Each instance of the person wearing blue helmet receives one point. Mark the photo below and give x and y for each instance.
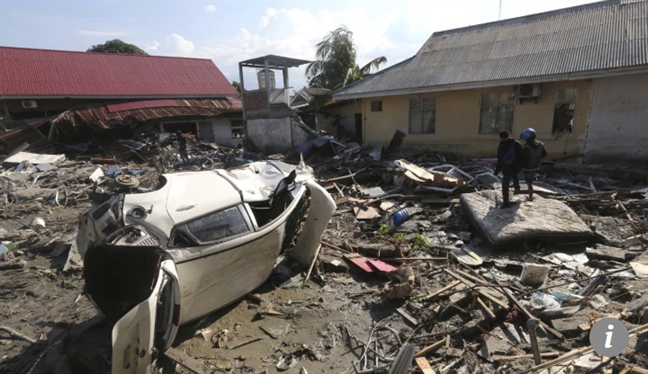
(509, 161)
(533, 152)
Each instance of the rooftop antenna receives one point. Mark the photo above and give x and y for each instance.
(499, 13)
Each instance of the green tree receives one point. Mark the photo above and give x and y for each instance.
(117, 46)
(237, 85)
(336, 66)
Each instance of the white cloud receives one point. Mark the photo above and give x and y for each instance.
(153, 46)
(210, 8)
(101, 33)
(172, 45)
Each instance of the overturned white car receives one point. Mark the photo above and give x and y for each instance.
(198, 242)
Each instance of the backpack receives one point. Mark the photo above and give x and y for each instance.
(509, 156)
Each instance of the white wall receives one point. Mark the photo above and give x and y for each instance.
(618, 120)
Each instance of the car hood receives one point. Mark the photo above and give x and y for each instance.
(186, 196)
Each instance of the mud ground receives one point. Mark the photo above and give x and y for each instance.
(321, 325)
(315, 324)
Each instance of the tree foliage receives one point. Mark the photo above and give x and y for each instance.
(237, 85)
(336, 66)
(117, 46)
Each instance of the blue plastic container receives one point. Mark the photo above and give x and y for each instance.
(398, 218)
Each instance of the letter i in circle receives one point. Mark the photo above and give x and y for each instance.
(608, 336)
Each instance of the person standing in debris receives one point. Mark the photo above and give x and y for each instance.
(182, 145)
(509, 162)
(533, 151)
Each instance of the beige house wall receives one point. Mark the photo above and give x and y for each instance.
(458, 116)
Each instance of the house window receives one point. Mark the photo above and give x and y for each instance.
(563, 118)
(422, 115)
(496, 113)
(217, 226)
(238, 131)
(376, 106)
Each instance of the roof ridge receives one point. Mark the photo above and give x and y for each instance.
(103, 53)
(533, 16)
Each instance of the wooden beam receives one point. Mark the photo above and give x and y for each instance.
(486, 309)
(481, 292)
(442, 290)
(431, 348)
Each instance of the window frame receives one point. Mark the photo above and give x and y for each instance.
(558, 102)
(184, 229)
(509, 103)
(240, 125)
(421, 111)
(379, 104)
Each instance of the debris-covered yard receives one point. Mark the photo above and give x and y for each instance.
(418, 270)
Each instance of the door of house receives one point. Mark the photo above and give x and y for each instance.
(358, 128)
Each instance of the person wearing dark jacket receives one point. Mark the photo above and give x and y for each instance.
(533, 152)
(509, 162)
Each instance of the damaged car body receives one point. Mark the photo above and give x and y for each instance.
(196, 243)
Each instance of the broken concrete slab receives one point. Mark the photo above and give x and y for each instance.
(570, 326)
(606, 253)
(542, 220)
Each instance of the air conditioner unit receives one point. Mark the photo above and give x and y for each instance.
(526, 91)
(29, 104)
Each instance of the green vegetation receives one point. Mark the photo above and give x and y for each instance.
(117, 46)
(420, 242)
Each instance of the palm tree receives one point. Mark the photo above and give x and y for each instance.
(336, 65)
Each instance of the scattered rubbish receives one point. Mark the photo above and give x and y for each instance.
(38, 223)
(408, 256)
(370, 265)
(544, 300)
(96, 175)
(286, 362)
(534, 275)
(466, 256)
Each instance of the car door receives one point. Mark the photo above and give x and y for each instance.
(149, 328)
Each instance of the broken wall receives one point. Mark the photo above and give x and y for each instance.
(618, 126)
(276, 135)
(343, 114)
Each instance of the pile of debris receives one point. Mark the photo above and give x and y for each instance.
(444, 279)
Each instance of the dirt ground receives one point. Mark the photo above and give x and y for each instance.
(321, 326)
(314, 323)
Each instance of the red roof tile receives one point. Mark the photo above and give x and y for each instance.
(37, 73)
(114, 115)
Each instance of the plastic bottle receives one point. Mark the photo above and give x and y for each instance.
(398, 218)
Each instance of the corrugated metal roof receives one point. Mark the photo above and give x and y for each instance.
(104, 118)
(605, 35)
(37, 72)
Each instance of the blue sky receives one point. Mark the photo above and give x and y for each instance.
(230, 31)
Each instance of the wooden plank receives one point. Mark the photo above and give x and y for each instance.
(486, 308)
(408, 317)
(342, 200)
(519, 357)
(185, 360)
(424, 365)
(442, 290)
(431, 348)
(480, 292)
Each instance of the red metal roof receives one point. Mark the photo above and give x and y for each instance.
(40, 73)
(114, 115)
